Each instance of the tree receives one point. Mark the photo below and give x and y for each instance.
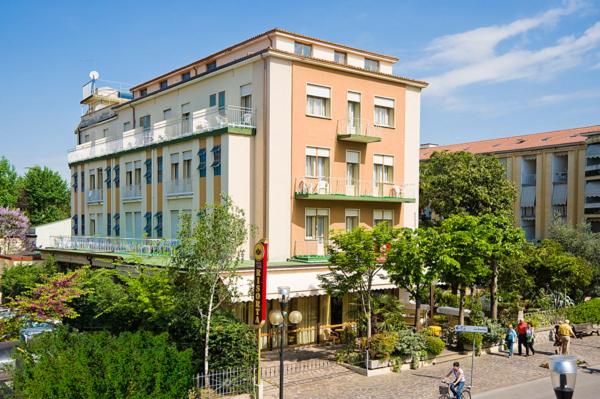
(505, 241)
(462, 183)
(465, 249)
(9, 182)
(209, 253)
(412, 263)
(44, 196)
(354, 265)
(13, 230)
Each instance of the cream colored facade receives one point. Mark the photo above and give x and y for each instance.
(306, 136)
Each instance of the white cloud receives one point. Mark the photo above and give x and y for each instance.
(567, 96)
(473, 56)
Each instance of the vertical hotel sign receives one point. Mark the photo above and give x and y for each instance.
(260, 281)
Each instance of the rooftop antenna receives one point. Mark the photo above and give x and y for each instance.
(94, 75)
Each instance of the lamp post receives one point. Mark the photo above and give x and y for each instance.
(280, 319)
(563, 372)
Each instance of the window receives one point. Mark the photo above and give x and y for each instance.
(159, 225)
(92, 180)
(212, 100)
(167, 114)
(222, 102)
(143, 92)
(380, 216)
(384, 112)
(353, 113)
(164, 84)
(145, 122)
(211, 66)
(302, 49)
(246, 96)
(186, 76)
(138, 173)
(216, 165)
(108, 224)
(352, 217)
(352, 172)
(174, 167)
(83, 182)
(126, 126)
(186, 122)
(202, 164)
(371, 65)
(318, 100)
(383, 169)
(86, 138)
(339, 57)
(316, 223)
(187, 164)
(159, 169)
(128, 174)
(82, 225)
(317, 162)
(105, 132)
(99, 178)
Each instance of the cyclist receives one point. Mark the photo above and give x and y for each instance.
(458, 384)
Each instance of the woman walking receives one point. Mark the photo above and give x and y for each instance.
(511, 336)
(529, 338)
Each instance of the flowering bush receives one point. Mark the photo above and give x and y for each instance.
(13, 231)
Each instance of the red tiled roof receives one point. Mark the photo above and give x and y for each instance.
(518, 143)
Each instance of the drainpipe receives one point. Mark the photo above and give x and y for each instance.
(266, 144)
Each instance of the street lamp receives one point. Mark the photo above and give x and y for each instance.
(563, 370)
(278, 319)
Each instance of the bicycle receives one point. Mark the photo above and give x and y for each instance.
(445, 392)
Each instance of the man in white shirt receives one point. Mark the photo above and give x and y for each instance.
(458, 383)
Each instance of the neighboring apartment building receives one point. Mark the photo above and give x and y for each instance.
(306, 136)
(557, 174)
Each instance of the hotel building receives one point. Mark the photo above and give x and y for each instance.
(306, 136)
(557, 174)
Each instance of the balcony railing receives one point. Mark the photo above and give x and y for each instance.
(95, 195)
(528, 179)
(527, 212)
(311, 250)
(356, 129)
(202, 121)
(147, 246)
(132, 191)
(343, 188)
(179, 186)
(560, 177)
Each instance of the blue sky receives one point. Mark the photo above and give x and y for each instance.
(496, 68)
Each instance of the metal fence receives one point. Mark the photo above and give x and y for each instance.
(297, 367)
(223, 383)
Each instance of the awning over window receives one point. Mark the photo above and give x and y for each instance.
(593, 151)
(527, 196)
(592, 189)
(559, 194)
(304, 282)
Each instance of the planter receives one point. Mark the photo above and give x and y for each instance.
(367, 372)
(378, 363)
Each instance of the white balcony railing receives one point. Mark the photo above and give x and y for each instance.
(149, 246)
(179, 186)
(354, 126)
(592, 167)
(318, 247)
(133, 191)
(202, 121)
(95, 195)
(353, 188)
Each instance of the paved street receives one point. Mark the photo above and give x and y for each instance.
(491, 372)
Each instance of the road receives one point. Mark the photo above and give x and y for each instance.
(586, 387)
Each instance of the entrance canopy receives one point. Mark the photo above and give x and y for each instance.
(450, 311)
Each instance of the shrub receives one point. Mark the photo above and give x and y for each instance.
(585, 312)
(382, 345)
(19, 279)
(232, 343)
(467, 339)
(496, 333)
(434, 345)
(410, 343)
(99, 365)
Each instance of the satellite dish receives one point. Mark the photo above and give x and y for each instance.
(94, 75)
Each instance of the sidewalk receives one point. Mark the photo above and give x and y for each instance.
(491, 372)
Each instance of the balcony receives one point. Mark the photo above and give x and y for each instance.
(342, 189)
(132, 192)
(95, 196)
(144, 246)
(355, 130)
(212, 120)
(311, 251)
(179, 187)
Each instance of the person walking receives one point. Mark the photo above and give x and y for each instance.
(522, 337)
(530, 337)
(557, 344)
(565, 332)
(511, 335)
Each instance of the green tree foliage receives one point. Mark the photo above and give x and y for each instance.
(354, 265)
(585, 312)
(388, 313)
(209, 252)
(19, 279)
(44, 196)
(9, 184)
(462, 183)
(412, 263)
(98, 365)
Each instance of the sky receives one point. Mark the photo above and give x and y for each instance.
(495, 68)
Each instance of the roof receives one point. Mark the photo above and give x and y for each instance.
(518, 143)
(253, 38)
